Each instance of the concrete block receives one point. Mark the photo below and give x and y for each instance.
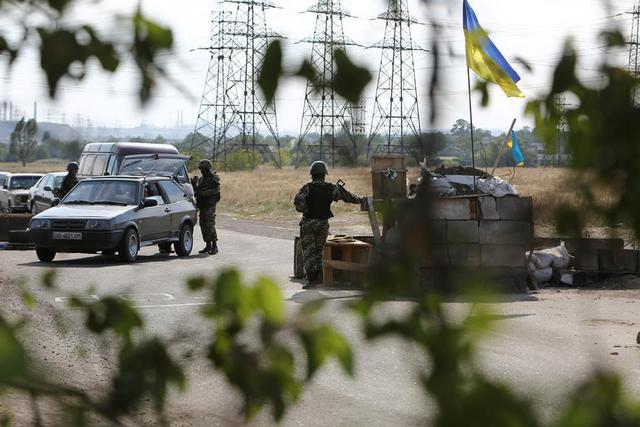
(488, 208)
(618, 261)
(445, 208)
(574, 245)
(438, 256)
(506, 233)
(463, 231)
(438, 231)
(503, 256)
(464, 255)
(515, 208)
(586, 260)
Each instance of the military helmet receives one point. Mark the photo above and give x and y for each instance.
(72, 166)
(318, 168)
(205, 164)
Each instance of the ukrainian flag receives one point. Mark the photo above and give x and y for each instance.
(484, 58)
(516, 152)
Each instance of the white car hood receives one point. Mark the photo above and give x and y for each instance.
(83, 211)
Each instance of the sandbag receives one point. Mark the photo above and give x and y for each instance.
(542, 275)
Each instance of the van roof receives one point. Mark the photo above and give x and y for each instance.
(129, 148)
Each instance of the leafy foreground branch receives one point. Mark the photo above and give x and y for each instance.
(261, 350)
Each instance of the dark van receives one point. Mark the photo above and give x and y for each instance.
(108, 158)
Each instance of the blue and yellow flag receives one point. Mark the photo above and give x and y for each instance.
(516, 152)
(484, 58)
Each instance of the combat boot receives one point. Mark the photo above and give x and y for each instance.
(214, 248)
(207, 249)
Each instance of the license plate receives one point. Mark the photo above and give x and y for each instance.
(66, 236)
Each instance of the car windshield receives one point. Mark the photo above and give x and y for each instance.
(23, 182)
(107, 192)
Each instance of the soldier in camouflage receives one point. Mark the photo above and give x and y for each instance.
(314, 201)
(70, 180)
(207, 192)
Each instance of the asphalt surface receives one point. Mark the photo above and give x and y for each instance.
(543, 344)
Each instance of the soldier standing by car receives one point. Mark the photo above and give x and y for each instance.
(70, 180)
(207, 192)
(314, 201)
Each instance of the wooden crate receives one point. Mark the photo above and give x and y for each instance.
(387, 188)
(394, 161)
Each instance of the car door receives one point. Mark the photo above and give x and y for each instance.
(154, 222)
(179, 204)
(40, 198)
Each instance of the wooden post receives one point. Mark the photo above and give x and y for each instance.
(375, 228)
(502, 147)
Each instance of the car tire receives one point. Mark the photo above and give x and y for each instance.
(129, 246)
(45, 254)
(184, 245)
(109, 252)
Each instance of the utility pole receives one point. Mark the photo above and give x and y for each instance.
(562, 127)
(395, 112)
(324, 113)
(634, 49)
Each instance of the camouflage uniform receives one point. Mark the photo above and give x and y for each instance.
(207, 194)
(314, 227)
(68, 183)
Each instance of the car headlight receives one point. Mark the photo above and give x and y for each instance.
(97, 224)
(40, 224)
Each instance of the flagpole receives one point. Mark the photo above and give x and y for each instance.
(473, 151)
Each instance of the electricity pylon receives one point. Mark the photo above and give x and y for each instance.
(395, 112)
(324, 112)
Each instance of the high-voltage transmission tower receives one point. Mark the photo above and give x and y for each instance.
(325, 113)
(562, 127)
(395, 112)
(232, 109)
(216, 113)
(634, 48)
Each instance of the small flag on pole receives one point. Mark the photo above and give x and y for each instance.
(516, 152)
(484, 58)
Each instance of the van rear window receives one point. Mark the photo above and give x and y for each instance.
(99, 165)
(87, 164)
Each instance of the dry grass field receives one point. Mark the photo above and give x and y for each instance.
(267, 193)
(41, 166)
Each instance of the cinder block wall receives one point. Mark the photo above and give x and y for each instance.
(483, 233)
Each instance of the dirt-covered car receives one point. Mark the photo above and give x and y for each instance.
(14, 191)
(116, 214)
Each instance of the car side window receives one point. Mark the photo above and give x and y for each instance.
(87, 164)
(111, 165)
(173, 191)
(152, 191)
(47, 181)
(183, 176)
(99, 165)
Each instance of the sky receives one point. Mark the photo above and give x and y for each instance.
(533, 30)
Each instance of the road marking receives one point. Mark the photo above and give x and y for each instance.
(189, 304)
(147, 297)
(90, 298)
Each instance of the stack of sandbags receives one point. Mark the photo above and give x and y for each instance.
(543, 263)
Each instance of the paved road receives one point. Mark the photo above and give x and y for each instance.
(542, 344)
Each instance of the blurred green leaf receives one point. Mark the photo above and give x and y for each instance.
(197, 283)
(271, 71)
(564, 75)
(13, 357)
(110, 313)
(350, 80)
(269, 299)
(613, 39)
(49, 279)
(5, 48)
(482, 88)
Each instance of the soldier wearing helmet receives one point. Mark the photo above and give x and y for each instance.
(207, 192)
(70, 180)
(314, 201)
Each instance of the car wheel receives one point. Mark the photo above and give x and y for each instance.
(108, 252)
(128, 248)
(185, 243)
(45, 254)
